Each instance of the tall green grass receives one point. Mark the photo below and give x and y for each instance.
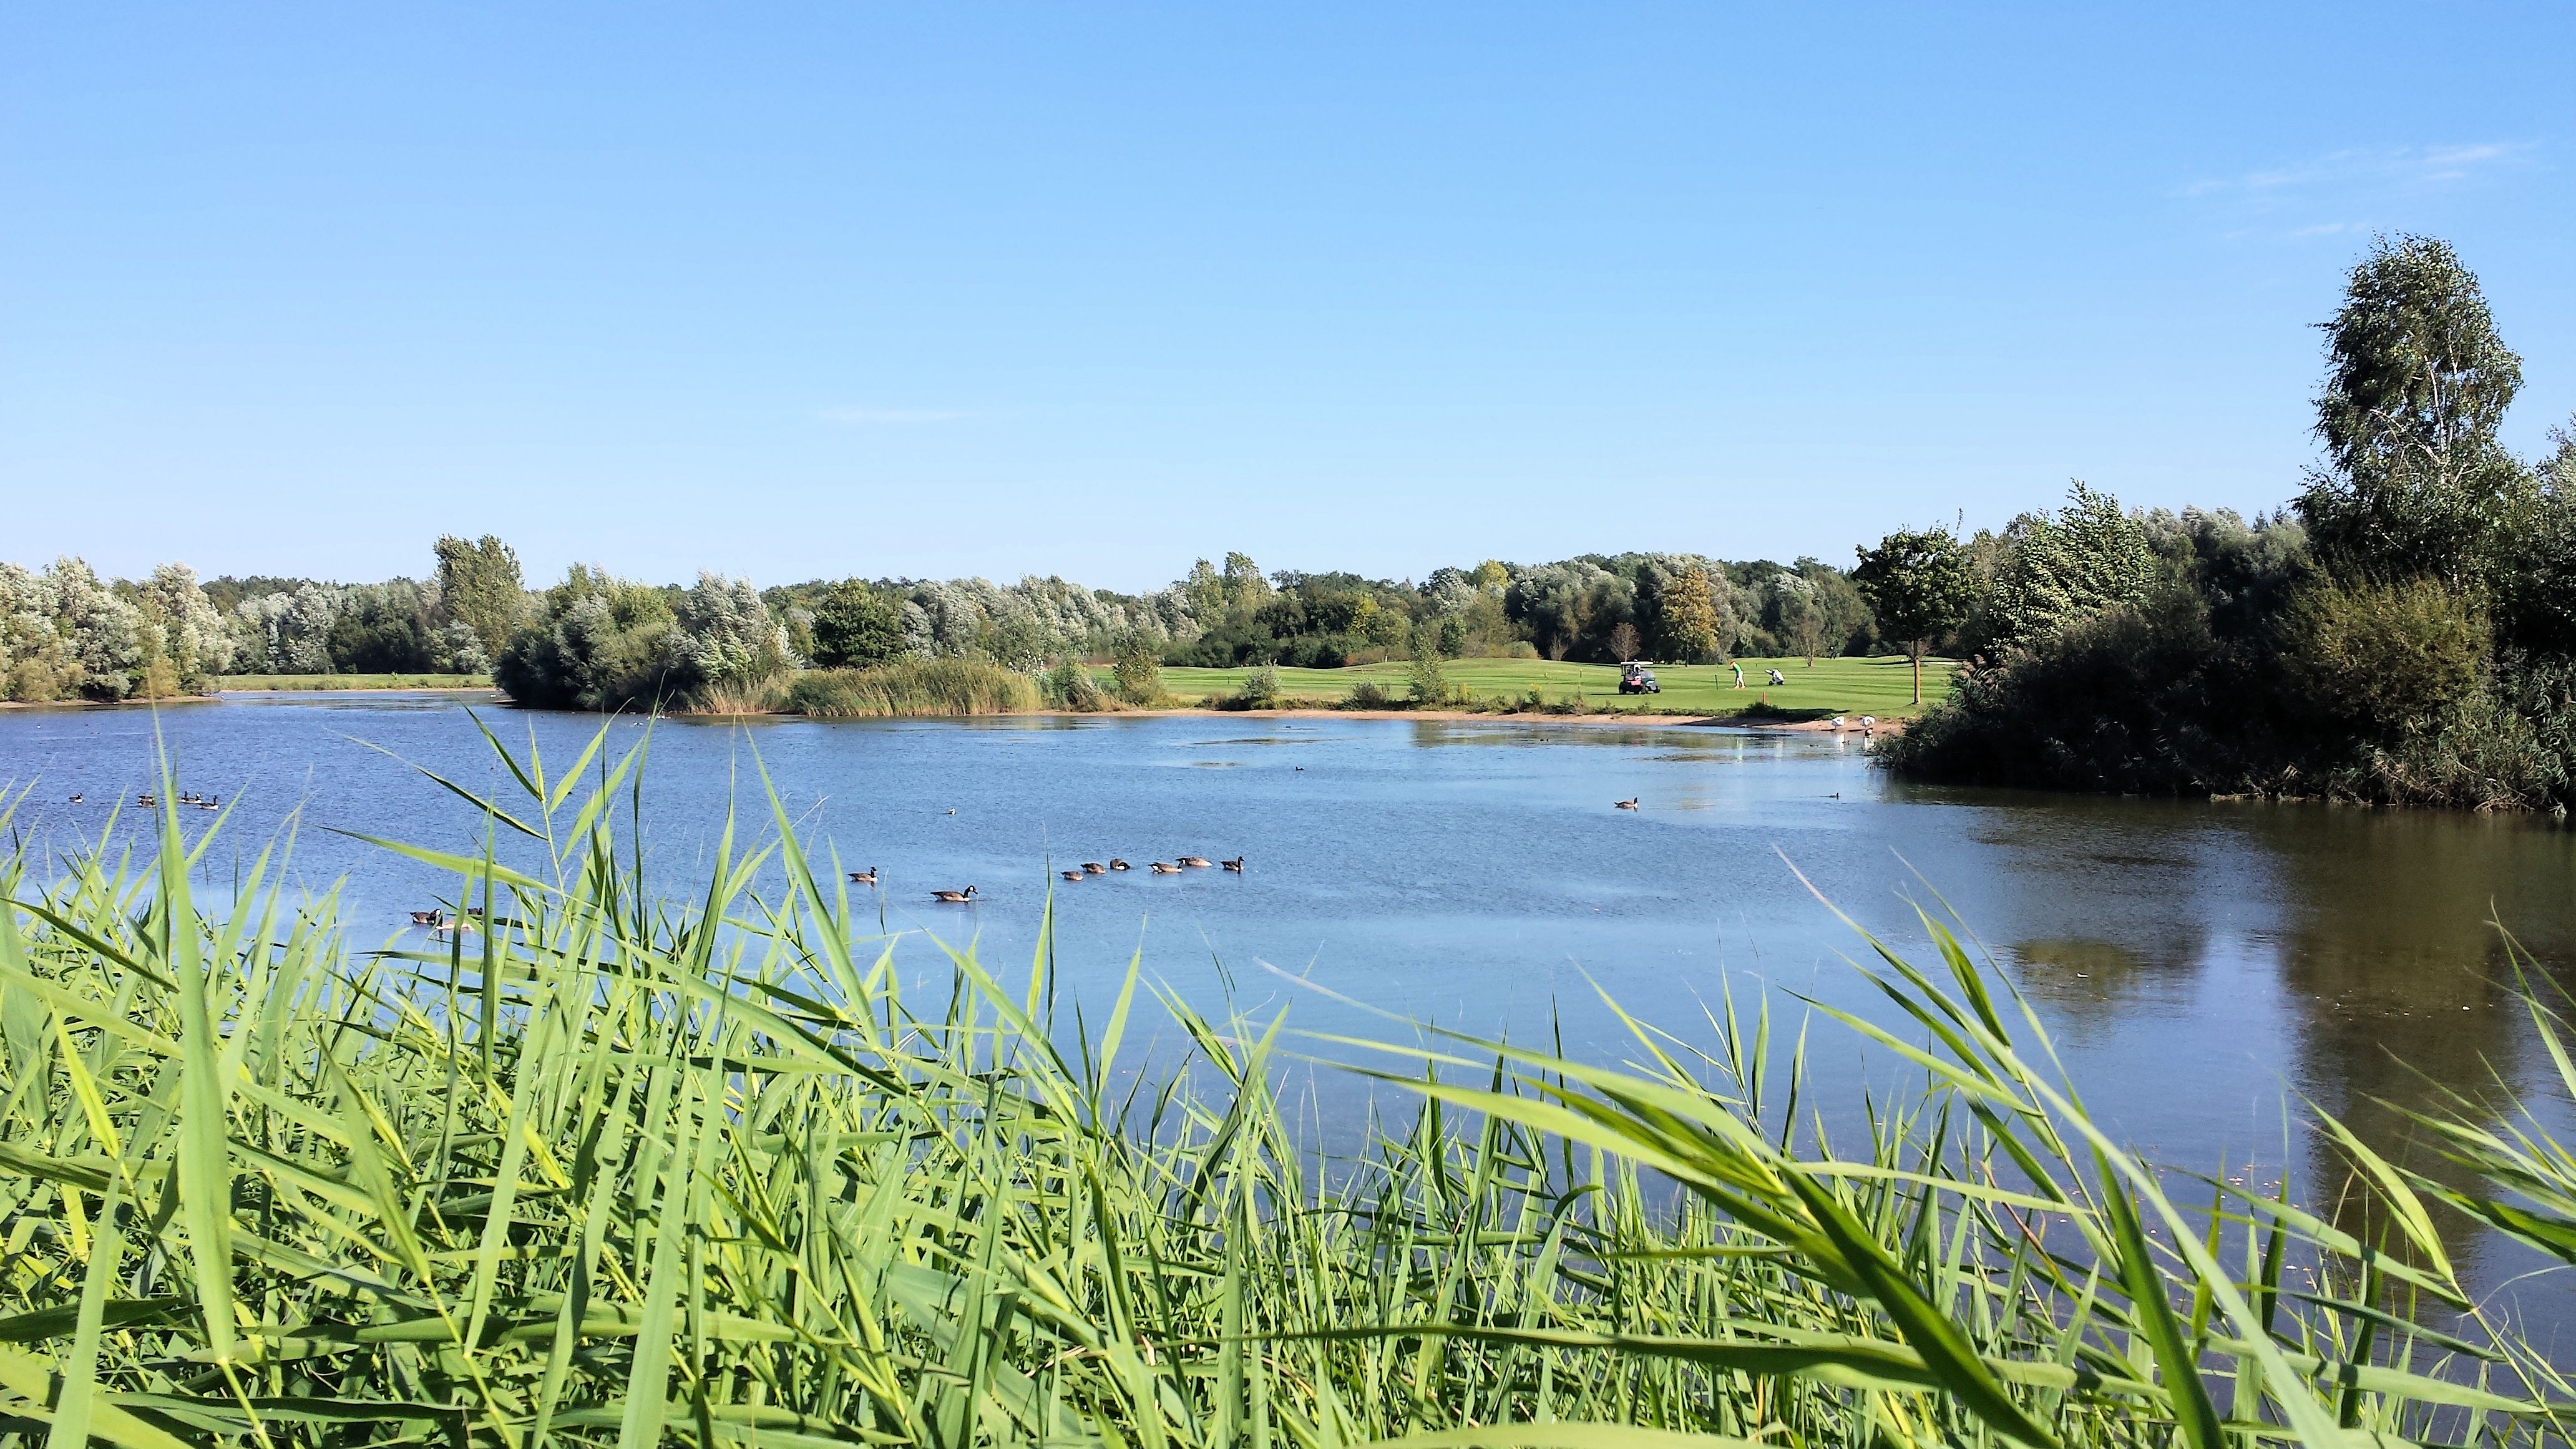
(610, 1169)
(913, 687)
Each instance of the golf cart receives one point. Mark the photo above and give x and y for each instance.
(1636, 678)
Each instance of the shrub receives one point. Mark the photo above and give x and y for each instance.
(1519, 649)
(1369, 694)
(601, 644)
(1260, 689)
(912, 687)
(1140, 672)
(1070, 686)
(2385, 660)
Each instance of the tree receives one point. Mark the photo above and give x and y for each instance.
(723, 633)
(1685, 618)
(1790, 611)
(1430, 684)
(2089, 558)
(479, 584)
(1140, 669)
(1920, 586)
(2417, 382)
(855, 626)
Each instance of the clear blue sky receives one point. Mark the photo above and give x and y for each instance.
(909, 289)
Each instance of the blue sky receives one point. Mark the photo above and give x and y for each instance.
(792, 291)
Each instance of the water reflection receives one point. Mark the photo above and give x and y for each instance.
(2198, 964)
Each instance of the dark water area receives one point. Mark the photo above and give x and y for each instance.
(2202, 966)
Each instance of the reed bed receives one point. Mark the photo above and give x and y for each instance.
(610, 1170)
(912, 687)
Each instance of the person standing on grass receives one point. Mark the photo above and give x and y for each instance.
(1738, 667)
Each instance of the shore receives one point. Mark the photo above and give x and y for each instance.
(1658, 721)
(1629, 718)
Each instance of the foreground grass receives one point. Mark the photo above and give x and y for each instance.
(605, 1170)
(1881, 687)
(331, 682)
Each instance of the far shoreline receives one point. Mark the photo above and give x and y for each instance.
(1630, 718)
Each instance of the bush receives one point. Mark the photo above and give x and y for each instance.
(601, 644)
(912, 687)
(1070, 686)
(1426, 681)
(2385, 660)
(1369, 694)
(1260, 689)
(1140, 673)
(1519, 649)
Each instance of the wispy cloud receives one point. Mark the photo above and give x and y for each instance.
(2368, 168)
(885, 417)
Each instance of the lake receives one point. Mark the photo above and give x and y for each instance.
(2199, 964)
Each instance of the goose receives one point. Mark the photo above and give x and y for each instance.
(1235, 865)
(146, 801)
(866, 877)
(76, 799)
(1630, 803)
(1093, 867)
(1116, 864)
(955, 898)
(1070, 874)
(1196, 861)
(427, 918)
(1158, 868)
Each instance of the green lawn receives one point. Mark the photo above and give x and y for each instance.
(352, 681)
(1880, 686)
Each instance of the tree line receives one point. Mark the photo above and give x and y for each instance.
(2402, 631)
(593, 640)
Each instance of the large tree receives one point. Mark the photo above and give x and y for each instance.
(2417, 382)
(479, 586)
(856, 625)
(1920, 586)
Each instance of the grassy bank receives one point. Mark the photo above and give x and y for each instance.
(911, 687)
(1881, 687)
(329, 682)
(606, 1170)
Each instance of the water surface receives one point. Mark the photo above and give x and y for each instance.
(2200, 965)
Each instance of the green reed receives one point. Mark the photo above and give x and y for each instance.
(605, 1169)
(913, 687)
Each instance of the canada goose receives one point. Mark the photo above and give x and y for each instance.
(426, 918)
(1070, 874)
(1093, 867)
(952, 809)
(146, 801)
(1198, 861)
(955, 898)
(1116, 864)
(1630, 803)
(76, 799)
(208, 803)
(1158, 868)
(864, 877)
(1235, 865)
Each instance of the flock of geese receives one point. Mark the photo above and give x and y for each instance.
(1175, 866)
(150, 801)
